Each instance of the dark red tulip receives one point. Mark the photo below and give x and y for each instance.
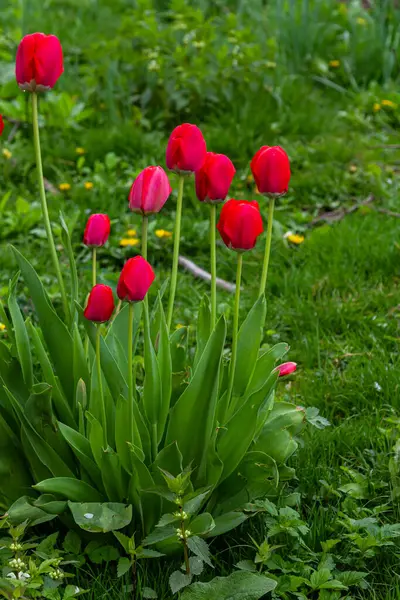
(240, 224)
(100, 304)
(97, 230)
(39, 62)
(1, 125)
(214, 178)
(186, 150)
(286, 368)
(149, 191)
(271, 171)
(135, 280)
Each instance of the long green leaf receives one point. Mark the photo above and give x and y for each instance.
(203, 330)
(165, 368)
(82, 450)
(66, 240)
(70, 488)
(21, 335)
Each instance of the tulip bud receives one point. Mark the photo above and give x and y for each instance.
(214, 178)
(271, 171)
(240, 224)
(100, 304)
(1, 125)
(286, 368)
(39, 62)
(186, 150)
(149, 191)
(97, 231)
(135, 280)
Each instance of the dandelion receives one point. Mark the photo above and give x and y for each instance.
(389, 104)
(88, 185)
(376, 107)
(2, 327)
(334, 64)
(131, 233)
(162, 233)
(7, 154)
(64, 187)
(129, 242)
(294, 238)
(361, 21)
(80, 150)
(179, 326)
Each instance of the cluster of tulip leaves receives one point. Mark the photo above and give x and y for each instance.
(52, 455)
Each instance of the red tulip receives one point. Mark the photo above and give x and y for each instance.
(214, 178)
(286, 368)
(135, 279)
(39, 62)
(240, 224)
(186, 150)
(100, 305)
(271, 170)
(149, 191)
(1, 125)
(97, 231)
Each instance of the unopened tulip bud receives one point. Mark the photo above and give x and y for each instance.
(39, 62)
(271, 171)
(286, 368)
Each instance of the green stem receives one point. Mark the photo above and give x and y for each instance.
(42, 194)
(100, 381)
(235, 327)
(264, 275)
(177, 235)
(130, 369)
(213, 220)
(145, 226)
(94, 266)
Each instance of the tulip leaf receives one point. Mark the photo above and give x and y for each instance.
(152, 398)
(265, 365)
(101, 518)
(192, 417)
(227, 522)
(112, 475)
(81, 369)
(24, 509)
(165, 368)
(70, 488)
(148, 505)
(203, 330)
(21, 335)
(82, 450)
(66, 240)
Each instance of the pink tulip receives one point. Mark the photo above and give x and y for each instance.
(286, 368)
(186, 150)
(149, 191)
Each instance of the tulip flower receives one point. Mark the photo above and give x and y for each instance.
(1, 125)
(100, 304)
(214, 178)
(135, 280)
(271, 171)
(186, 150)
(286, 368)
(240, 224)
(149, 191)
(97, 231)
(39, 62)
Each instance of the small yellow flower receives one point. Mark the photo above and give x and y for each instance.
(88, 185)
(2, 327)
(7, 154)
(334, 64)
(249, 179)
(376, 107)
(129, 242)
(131, 233)
(179, 326)
(161, 233)
(389, 104)
(294, 238)
(80, 150)
(64, 187)
(353, 168)
(361, 21)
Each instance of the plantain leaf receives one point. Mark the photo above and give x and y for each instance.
(101, 518)
(21, 334)
(69, 488)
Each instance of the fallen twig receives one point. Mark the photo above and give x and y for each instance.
(337, 215)
(197, 271)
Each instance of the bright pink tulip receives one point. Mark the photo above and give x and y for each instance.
(286, 368)
(240, 224)
(149, 191)
(39, 62)
(214, 178)
(135, 279)
(271, 170)
(100, 304)
(186, 150)
(97, 230)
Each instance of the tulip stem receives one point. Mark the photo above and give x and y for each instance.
(100, 382)
(213, 221)
(264, 275)
(235, 327)
(145, 225)
(130, 369)
(42, 194)
(94, 267)
(177, 235)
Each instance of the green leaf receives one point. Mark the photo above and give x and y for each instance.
(69, 488)
(149, 594)
(178, 581)
(124, 540)
(349, 578)
(238, 586)
(160, 534)
(72, 543)
(200, 548)
(101, 518)
(147, 553)
(165, 369)
(124, 564)
(24, 510)
(246, 565)
(50, 505)
(192, 417)
(227, 522)
(202, 524)
(320, 577)
(264, 366)
(152, 395)
(66, 240)
(82, 450)
(196, 565)
(203, 330)
(193, 502)
(21, 334)
(99, 552)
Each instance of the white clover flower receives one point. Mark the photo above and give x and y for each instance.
(153, 66)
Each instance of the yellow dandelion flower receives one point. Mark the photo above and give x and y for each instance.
(249, 178)
(162, 233)
(376, 107)
(129, 242)
(334, 64)
(353, 168)
(179, 326)
(295, 238)
(389, 104)
(2, 327)
(64, 187)
(80, 150)
(7, 154)
(88, 185)
(131, 233)
(361, 21)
